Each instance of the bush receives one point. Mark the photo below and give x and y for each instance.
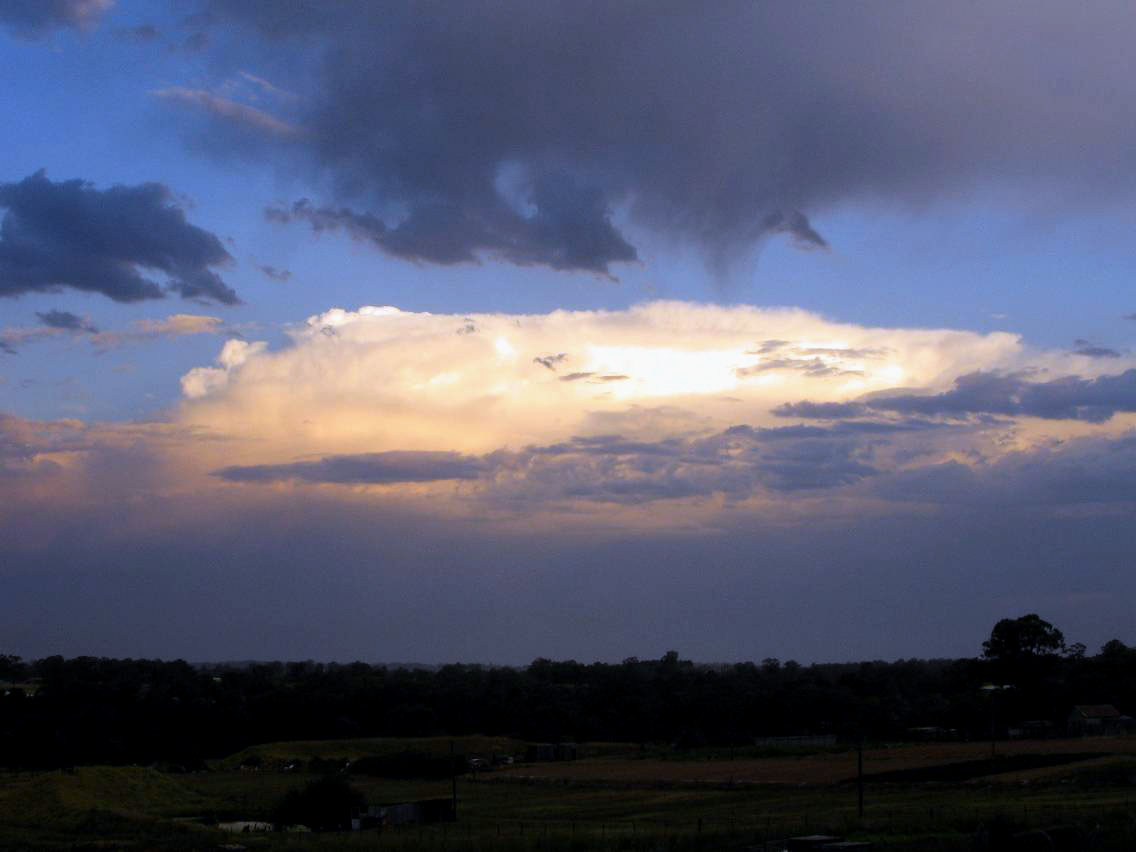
(326, 804)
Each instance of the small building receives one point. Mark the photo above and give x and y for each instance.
(1095, 720)
(422, 812)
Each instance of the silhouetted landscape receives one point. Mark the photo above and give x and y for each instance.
(334, 746)
(60, 712)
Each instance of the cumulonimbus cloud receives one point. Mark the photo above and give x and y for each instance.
(387, 376)
(70, 234)
(664, 401)
(669, 406)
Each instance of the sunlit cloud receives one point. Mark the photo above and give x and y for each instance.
(229, 110)
(663, 401)
(539, 415)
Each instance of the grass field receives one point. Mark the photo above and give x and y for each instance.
(620, 800)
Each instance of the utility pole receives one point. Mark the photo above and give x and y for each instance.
(454, 779)
(860, 774)
(992, 690)
(993, 725)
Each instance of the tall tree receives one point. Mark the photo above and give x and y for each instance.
(1025, 638)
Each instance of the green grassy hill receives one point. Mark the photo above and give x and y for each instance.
(107, 803)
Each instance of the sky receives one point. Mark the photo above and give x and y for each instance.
(483, 332)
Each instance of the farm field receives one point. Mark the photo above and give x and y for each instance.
(616, 801)
(825, 767)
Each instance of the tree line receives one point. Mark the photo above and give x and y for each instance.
(60, 712)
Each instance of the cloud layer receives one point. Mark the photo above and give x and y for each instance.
(519, 130)
(663, 402)
(1066, 398)
(70, 234)
(56, 323)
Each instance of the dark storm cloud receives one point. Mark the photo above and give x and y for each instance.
(275, 274)
(796, 225)
(515, 128)
(550, 361)
(1098, 352)
(1068, 398)
(65, 320)
(846, 428)
(69, 234)
(982, 394)
(1080, 471)
(571, 231)
(373, 468)
(810, 367)
(736, 462)
(54, 323)
(37, 18)
(767, 346)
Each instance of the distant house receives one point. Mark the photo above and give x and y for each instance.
(1096, 720)
(422, 812)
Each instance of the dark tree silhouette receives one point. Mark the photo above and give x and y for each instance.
(1018, 639)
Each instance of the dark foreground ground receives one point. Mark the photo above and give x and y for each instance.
(1055, 794)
